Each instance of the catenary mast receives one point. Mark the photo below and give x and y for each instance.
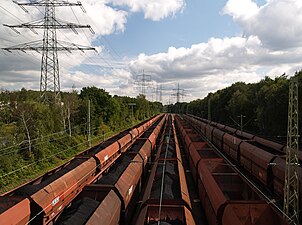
(291, 189)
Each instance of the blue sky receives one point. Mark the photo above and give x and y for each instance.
(203, 45)
(199, 21)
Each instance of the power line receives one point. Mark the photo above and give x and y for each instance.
(42, 142)
(36, 161)
(40, 160)
(143, 81)
(70, 148)
(10, 13)
(106, 40)
(83, 66)
(49, 80)
(179, 93)
(88, 58)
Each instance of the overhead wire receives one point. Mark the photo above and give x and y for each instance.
(67, 190)
(40, 160)
(98, 136)
(110, 46)
(110, 66)
(118, 55)
(43, 159)
(39, 143)
(87, 57)
(84, 67)
(49, 135)
(12, 15)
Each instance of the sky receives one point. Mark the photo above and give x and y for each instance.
(200, 45)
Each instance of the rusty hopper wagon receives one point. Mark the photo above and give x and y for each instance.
(226, 198)
(42, 200)
(166, 198)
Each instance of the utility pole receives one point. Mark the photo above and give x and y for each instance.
(209, 109)
(291, 186)
(132, 104)
(49, 45)
(241, 122)
(89, 125)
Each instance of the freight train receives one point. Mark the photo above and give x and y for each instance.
(41, 200)
(268, 145)
(165, 198)
(111, 198)
(266, 165)
(226, 198)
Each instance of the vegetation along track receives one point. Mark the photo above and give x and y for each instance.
(138, 177)
(42, 200)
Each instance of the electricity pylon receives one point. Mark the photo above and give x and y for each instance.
(291, 186)
(143, 82)
(158, 92)
(179, 93)
(49, 46)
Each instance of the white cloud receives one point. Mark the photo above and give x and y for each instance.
(218, 63)
(277, 23)
(217, 55)
(241, 9)
(270, 46)
(19, 70)
(119, 82)
(154, 9)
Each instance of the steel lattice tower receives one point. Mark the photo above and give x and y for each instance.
(143, 82)
(178, 93)
(50, 79)
(291, 186)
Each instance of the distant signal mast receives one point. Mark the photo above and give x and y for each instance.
(49, 46)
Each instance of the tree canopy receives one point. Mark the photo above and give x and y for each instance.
(43, 135)
(263, 105)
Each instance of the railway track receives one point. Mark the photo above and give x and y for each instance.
(263, 159)
(268, 145)
(165, 198)
(111, 198)
(225, 194)
(43, 199)
(140, 176)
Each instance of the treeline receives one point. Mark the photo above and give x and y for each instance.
(263, 106)
(35, 136)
